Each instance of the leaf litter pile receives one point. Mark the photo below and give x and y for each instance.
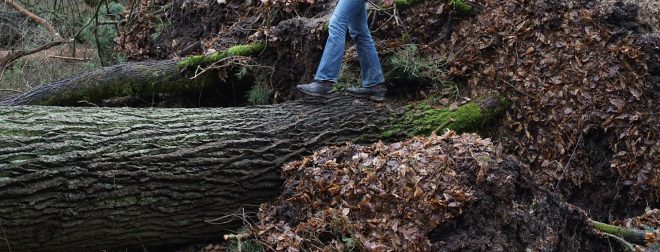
(440, 193)
(584, 78)
(398, 192)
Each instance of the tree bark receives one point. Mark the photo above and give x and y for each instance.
(142, 80)
(91, 179)
(103, 178)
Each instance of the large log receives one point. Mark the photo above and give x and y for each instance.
(86, 178)
(101, 178)
(140, 80)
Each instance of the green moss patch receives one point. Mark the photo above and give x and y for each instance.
(238, 50)
(423, 119)
(463, 7)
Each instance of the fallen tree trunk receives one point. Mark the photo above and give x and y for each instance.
(126, 80)
(140, 80)
(91, 179)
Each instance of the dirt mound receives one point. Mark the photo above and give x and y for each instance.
(168, 29)
(645, 13)
(584, 94)
(441, 193)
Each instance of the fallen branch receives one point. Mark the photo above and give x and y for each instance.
(18, 54)
(236, 236)
(626, 245)
(10, 90)
(18, 7)
(629, 234)
(68, 58)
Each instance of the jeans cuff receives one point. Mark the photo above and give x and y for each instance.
(367, 85)
(322, 79)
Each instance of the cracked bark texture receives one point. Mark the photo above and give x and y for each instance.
(79, 179)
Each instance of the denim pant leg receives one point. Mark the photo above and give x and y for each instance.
(333, 53)
(372, 73)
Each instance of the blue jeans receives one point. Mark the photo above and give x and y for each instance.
(351, 15)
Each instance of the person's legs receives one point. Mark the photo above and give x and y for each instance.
(344, 14)
(372, 73)
(351, 15)
(328, 70)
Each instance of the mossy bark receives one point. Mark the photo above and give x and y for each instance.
(422, 119)
(628, 234)
(106, 178)
(239, 50)
(141, 80)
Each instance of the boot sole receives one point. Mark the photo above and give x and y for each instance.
(370, 97)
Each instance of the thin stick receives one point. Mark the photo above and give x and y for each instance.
(565, 167)
(443, 125)
(88, 103)
(68, 58)
(626, 245)
(96, 31)
(5, 235)
(11, 90)
(88, 22)
(236, 236)
(144, 249)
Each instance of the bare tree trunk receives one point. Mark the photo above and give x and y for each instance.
(141, 80)
(90, 179)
